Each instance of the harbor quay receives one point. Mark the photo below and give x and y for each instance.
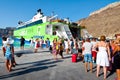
(42, 66)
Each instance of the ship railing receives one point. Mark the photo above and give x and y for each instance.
(49, 19)
(25, 23)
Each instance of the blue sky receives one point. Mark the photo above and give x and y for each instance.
(12, 11)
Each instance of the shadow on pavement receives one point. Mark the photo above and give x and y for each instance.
(36, 66)
(21, 52)
(67, 57)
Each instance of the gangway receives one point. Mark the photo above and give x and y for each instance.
(86, 34)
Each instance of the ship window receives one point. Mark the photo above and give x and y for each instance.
(30, 24)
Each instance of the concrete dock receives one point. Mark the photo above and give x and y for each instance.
(42, 66)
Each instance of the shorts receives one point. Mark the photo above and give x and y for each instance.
(94, 54)
(8, 56)
(88, 57)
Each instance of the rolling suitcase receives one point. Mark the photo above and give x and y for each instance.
(74, 58)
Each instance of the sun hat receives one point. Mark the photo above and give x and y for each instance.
(10, 41)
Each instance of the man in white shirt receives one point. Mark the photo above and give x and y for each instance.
(87, 48)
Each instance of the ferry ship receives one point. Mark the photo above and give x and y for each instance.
(44, 27)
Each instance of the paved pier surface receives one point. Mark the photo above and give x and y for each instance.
(42, 66)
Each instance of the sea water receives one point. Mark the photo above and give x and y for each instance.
(17, 43)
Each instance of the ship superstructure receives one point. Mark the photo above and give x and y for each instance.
(41, 26)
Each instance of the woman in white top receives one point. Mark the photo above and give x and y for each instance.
(103, 56)
(31, 42)
(66, 42)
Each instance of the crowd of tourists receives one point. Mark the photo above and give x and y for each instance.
(102, 52)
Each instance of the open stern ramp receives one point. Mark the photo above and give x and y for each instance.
(62, 30)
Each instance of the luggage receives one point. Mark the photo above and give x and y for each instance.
(74, 58)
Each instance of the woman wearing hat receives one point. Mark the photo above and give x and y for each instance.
(11, 41)
(8, 56)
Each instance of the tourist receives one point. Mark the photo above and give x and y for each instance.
(55, 48)
(112, 44)
(8, 55)
(61, 48)
(83, 41)
(110, 68)
(22, 43)
(71, 45)
(87, 48)
(103, 56)
(47, 43)
(116, 61)
(67, 46)
(10, 40)
(50, 48)
(37, 45)
(31, 42)
(41, 42)
(79, 48)
(94, 52)
(4, 44)
(75, 47)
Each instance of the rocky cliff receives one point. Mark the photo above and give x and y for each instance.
(105, 21)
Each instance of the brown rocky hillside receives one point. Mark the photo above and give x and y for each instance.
(105, 21)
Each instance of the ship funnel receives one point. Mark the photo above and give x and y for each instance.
(39, 10)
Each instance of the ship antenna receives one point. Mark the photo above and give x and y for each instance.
(52, 13)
